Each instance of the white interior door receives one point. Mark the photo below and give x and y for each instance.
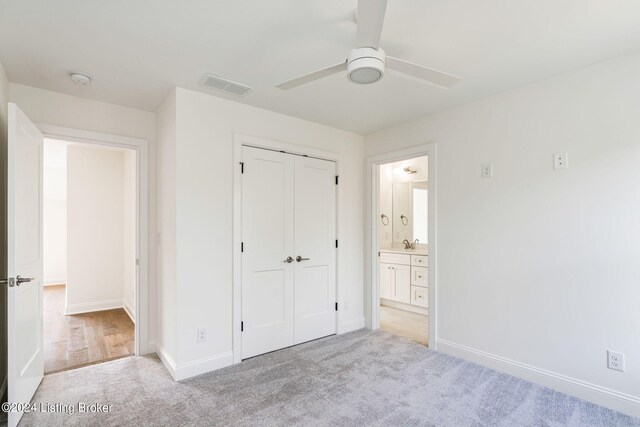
(25, 340)
(267, 240)
(315, 246)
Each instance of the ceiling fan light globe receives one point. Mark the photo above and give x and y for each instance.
(365, 76)
(365, 65)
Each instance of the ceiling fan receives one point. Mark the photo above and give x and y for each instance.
(367, 62)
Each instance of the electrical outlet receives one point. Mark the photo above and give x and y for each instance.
(202, 335)
(560, 161)
(486, 170)
(615, 360)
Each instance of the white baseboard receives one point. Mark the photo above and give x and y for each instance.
(129, 312)
(166, 360)
(183, 371)
(202, 366)
(345, 326)
(584, 390)
(93, 306)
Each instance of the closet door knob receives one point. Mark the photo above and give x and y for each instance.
(299, 258)
(289, 260)
(21, 280)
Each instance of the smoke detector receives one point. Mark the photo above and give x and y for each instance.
(80, 78)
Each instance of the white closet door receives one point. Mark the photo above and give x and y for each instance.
(267, 236)
(315, 245)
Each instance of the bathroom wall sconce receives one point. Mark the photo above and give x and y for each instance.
(384, 219)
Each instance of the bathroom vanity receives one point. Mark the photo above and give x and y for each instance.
(403, 279)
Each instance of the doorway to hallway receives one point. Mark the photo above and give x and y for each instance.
(89, 253)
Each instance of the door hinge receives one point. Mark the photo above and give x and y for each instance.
(241, 167)
(336, 243)
(378, 254)
(336, 306)
(241, 326)
(337, 179)
(241, 246)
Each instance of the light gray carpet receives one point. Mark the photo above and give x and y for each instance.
(356, 379)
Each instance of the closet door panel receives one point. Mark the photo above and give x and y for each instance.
(267, 236)
(315, 237)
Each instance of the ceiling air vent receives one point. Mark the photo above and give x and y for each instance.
(215, 82)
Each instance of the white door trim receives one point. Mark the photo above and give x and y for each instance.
(238, 141)
(372, 194)
(140, 146)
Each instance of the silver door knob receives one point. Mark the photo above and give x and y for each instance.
(299, 258)
(289, 260)
(20, 280)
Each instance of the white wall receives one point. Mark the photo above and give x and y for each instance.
(95, 214)
(43, 106)
(129, 188)
(166, 184)
(204, 214)
(538, 270)
(54, 194)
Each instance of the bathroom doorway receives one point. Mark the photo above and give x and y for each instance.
(403, 248)
(401, 243)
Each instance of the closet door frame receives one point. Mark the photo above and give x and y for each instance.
(240, 140)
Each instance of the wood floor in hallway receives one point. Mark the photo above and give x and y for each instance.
(410, 325)
(83, 339)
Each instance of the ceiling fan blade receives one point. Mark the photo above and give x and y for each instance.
(316, 75)
(418, 71)
(370, 20)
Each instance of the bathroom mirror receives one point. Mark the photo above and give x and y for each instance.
(409, 206)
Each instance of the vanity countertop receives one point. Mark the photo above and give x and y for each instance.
(417, 251)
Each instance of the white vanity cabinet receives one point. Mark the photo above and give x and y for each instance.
(387, 278)
(395, 282)
(404, 278)
(419, 276)
(419, 296)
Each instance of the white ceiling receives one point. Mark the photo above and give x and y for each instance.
(137, 51)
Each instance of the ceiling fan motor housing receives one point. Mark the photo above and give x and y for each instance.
(365, 65)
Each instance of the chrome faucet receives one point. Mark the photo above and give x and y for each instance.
(407, 244)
